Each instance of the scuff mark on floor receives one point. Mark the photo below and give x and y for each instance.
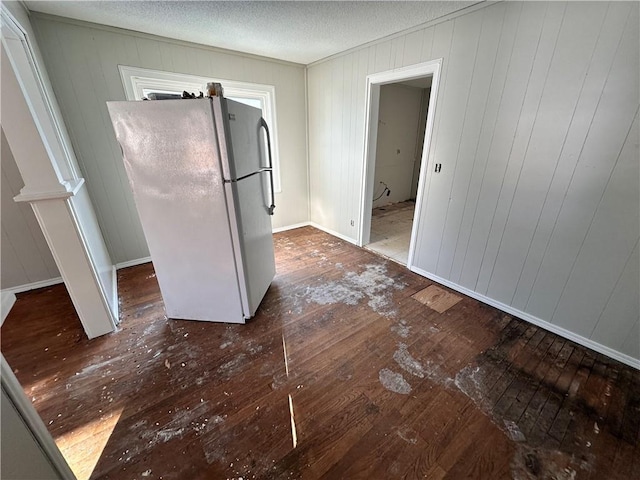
(408, 435)
(233, 366)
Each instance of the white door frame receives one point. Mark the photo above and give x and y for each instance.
(372, 107)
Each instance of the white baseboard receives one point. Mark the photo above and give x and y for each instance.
(335, 234)
(290, 227)
(8, 299)
(133, 263)
(32, 286)
(586, 342)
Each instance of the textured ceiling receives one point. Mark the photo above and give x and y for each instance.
(297, 31)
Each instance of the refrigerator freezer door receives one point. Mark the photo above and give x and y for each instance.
(244, 128)
(172, 159)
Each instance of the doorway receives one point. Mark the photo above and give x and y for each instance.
(399, 113)
(402, 117)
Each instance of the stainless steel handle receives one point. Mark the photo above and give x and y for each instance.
(272, 207)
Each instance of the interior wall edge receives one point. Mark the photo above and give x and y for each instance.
(574, 337)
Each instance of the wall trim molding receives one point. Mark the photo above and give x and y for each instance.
(291, 227)
(71, 187)
(334, 233)
(132, 263)
(585, 342)
(7, 300)
(33, 285)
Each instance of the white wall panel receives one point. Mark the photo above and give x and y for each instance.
(611, 237)
(592, 86)
(617, 106)
(513, 103)
(537, 203)
(555, 90)
(479, 150)
(476, 101)
(459, 59)
(82, 60)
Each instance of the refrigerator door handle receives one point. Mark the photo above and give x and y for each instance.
(269, 168)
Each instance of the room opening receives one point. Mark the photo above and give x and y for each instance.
(402, 117)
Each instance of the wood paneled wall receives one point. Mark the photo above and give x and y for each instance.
(537, 203)
(25, 255)
(82, 61)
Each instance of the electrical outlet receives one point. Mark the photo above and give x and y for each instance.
(353, 223)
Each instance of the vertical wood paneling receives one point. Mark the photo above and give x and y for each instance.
(631, 345)
(26, 257)
(511, 106)
(537, 205)
(440, 47)
(460, 58)
(623, 305)
(572, 145)
(412, 48)
(83, 60)
(427, 44)
(480, 156)
(535, 158)
(475, 109)
(611, 237)
(609, 127)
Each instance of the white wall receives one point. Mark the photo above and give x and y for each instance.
(82, 60)
(398, 120)
(25, 255)
(537, 204)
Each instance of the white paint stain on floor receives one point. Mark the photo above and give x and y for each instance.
(373, 284)
(404, 359)
(394, 382)
(402, 329)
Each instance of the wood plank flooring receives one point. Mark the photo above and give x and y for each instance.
(341, 374)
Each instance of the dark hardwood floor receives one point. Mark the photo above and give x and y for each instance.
(341, 375)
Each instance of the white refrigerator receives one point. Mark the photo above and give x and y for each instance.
(202, 181)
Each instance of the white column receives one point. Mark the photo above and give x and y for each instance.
(53, 187)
